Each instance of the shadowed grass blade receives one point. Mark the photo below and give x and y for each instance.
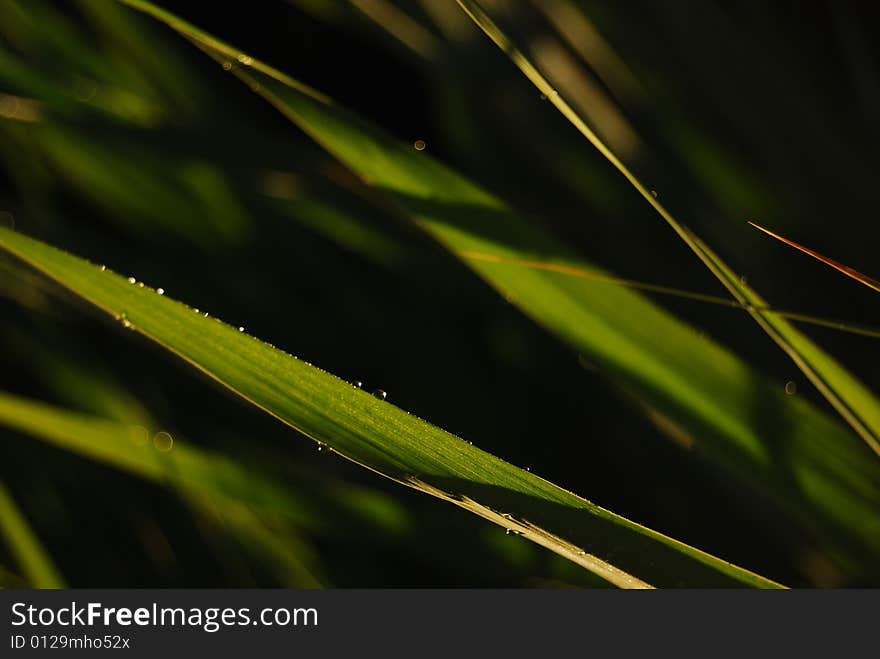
(387, 440)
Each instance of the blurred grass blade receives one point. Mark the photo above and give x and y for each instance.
(850, 398)
(33, 559)
(845, 269)
(387, 440)
(601, 277)
(822, 478)
(214, 485)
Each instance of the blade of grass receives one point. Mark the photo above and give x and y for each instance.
(387, 440)
(776, 444)
(33, 559)
(845, 269)
(853, 401)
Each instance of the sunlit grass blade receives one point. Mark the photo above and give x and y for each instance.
(850, 398)
(845, 269)
(823, 478)
(385, 439)
(33, 559)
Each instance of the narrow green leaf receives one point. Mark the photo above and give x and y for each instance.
(381, 437)
(33, 559)
(778, 445)
(850, 398)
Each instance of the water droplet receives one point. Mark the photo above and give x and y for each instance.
(141, 284)
(103, 268)
(506, 531)
(227, 66)
(419, 145)
(160, 291)
(132, 280)
(244, 59)
(381, 395)
(358, 384)
(241, 328)
(163, 441)
(543, 97)
(205, 314)
(320, 446)
(529, 469)
(654, 193)
(791, 388)
(196, 309)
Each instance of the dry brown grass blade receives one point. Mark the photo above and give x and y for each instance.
(845, 269)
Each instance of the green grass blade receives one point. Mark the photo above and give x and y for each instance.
(776, 444)
(385, 439)
(855, 403)
(32, 557)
